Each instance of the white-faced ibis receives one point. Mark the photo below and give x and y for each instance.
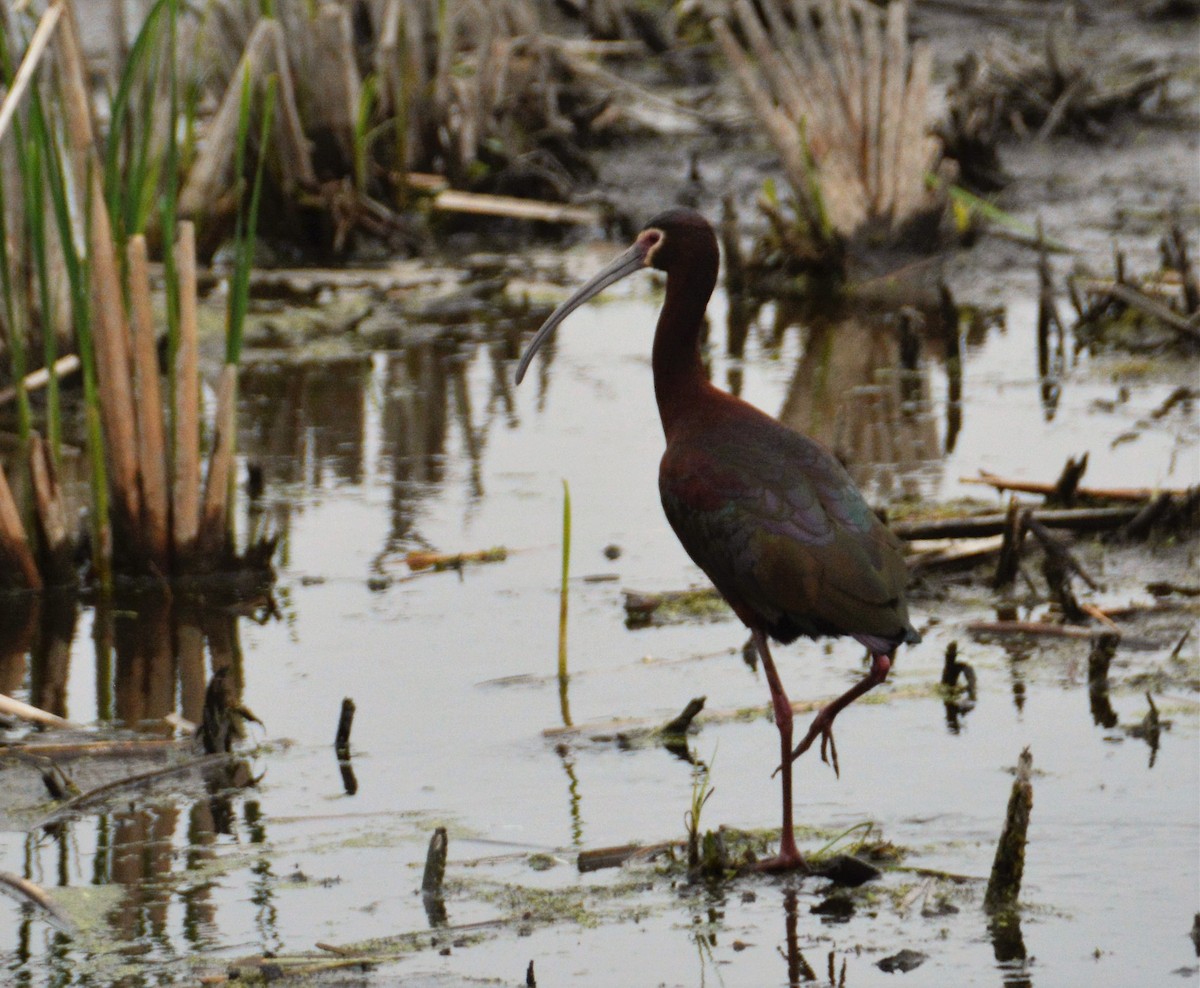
(770, 515)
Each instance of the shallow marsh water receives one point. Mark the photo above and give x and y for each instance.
(453, 677)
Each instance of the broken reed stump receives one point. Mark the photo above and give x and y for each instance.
(1067, 484)
(952, 668)
(218, 730)
(1004, 885)
(55, 538)
(678, 726)
(185, 486)
(156, 488)
(1010, 549)
(435, 863)
(433, 880)
(341, 746)
(14, 544)
(341, 743)
(1104, 647)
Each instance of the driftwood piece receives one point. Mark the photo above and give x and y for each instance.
(680, 724)
(978, 526)
(35, 715)
(439, 561)
(480, 204)
(433, 880)
(1043, 628)
(953, 553)
(133, 747)
(1175, 255)
(599, 858)
(102, 794)
(1068, 482)
(1138, 494)
(341, 743)
(1055, 548)
(1143, 303)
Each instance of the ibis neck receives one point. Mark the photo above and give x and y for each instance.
(679, 379)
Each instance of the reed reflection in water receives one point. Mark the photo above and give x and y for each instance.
(156, 842)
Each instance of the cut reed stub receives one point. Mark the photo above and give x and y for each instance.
(1004, 885)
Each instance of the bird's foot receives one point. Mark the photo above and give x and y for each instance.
(780, 863)
(822, 727)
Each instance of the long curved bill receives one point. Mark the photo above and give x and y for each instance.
(633, 259)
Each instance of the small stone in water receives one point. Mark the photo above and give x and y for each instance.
(904, 961)
(612, 551)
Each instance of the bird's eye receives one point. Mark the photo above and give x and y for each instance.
(650, 240)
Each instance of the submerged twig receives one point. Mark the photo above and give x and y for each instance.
(439, 561)
(98, 796)
(26, 891)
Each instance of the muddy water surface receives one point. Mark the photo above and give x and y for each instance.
(459, 711)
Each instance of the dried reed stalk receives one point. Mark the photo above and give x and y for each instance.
(842, 95)
(51, 511)
(295, 150)
(186, 487)
(214, 518)
(39, 378)
(110, 329)
(265, 51)
(152, 447)
(109, 325)
(478, 203)
(29, 63)
(335, 102)
(13, 542)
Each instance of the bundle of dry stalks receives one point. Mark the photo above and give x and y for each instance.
(154, 516)
(842, 95)
(374, 94)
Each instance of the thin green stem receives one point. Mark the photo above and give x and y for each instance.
(563, 678)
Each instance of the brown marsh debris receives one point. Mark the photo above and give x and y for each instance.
(1156, 311)
(389, 104)
(1008, 91)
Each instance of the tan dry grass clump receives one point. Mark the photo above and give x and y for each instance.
(842, 94)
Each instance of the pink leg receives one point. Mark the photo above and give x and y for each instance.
(822, 725)
(789, 855)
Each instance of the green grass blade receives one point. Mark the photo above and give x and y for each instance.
(246, 230)
(563, 678)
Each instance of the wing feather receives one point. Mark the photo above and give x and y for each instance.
(785, 536)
